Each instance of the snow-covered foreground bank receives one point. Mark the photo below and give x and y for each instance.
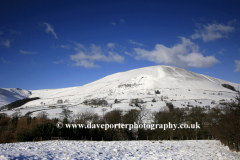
(117, 150)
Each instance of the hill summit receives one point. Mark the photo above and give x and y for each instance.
(142, 80)
(161, 83)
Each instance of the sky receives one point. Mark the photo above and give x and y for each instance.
(52, 44)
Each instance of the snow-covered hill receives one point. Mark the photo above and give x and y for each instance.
(137, 83)
(8, 95)
(174, 84)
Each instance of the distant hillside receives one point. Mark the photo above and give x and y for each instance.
(137, 81)
(18, 103)
(8, 95)
(173, 84)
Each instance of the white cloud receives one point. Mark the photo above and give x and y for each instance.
(26, 52)
(122, 20)
(198, 60)
(58, 62)
(113, 23)
(221, 51)
(3, 60)
(88, 57)
(50, 29)
(184, 54)
(237, 66)
(65, 46)
(127, 53)
(62, 46)
(6, 43)
(133, 42)
(111, 45)
(79, 46)
(211, 32)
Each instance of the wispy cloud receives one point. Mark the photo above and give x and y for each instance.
(211, 32)
(79, 46)
(122, 20)
(3, 60)
(88, 56)
(58, 62)
(184, 54)
(26, 52)
(221, 51)
(62, 46)
(49, 29)
(6, 43)
(111, 45)
(113, 23)
(133, 42)
(237, 66)
(15, 32)
(129, 54)
(65, 46)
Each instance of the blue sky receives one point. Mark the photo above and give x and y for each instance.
(57, 44)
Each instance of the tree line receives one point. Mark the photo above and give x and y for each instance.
(222, 124)
(19, 103)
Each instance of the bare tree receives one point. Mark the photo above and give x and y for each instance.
(43, 115)
(66, 113)
(104, 110)
(131, 116)
(17, 114)
(84, 117)
(143, 113)
(113, 117)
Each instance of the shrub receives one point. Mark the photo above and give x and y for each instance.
(227, 130)
(97, 102)
(136, 101)
(170, 106)
(157, 92)
(228, 86)
(116, 101)
(19, 103)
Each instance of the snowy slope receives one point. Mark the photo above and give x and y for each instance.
(8, 95)
(188, 150)
(175, 84)
(139, 80)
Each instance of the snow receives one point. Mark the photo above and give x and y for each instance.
(189, 149)
(8, 95)
(178, 85)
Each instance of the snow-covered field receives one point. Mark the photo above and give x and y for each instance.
(191, 149)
